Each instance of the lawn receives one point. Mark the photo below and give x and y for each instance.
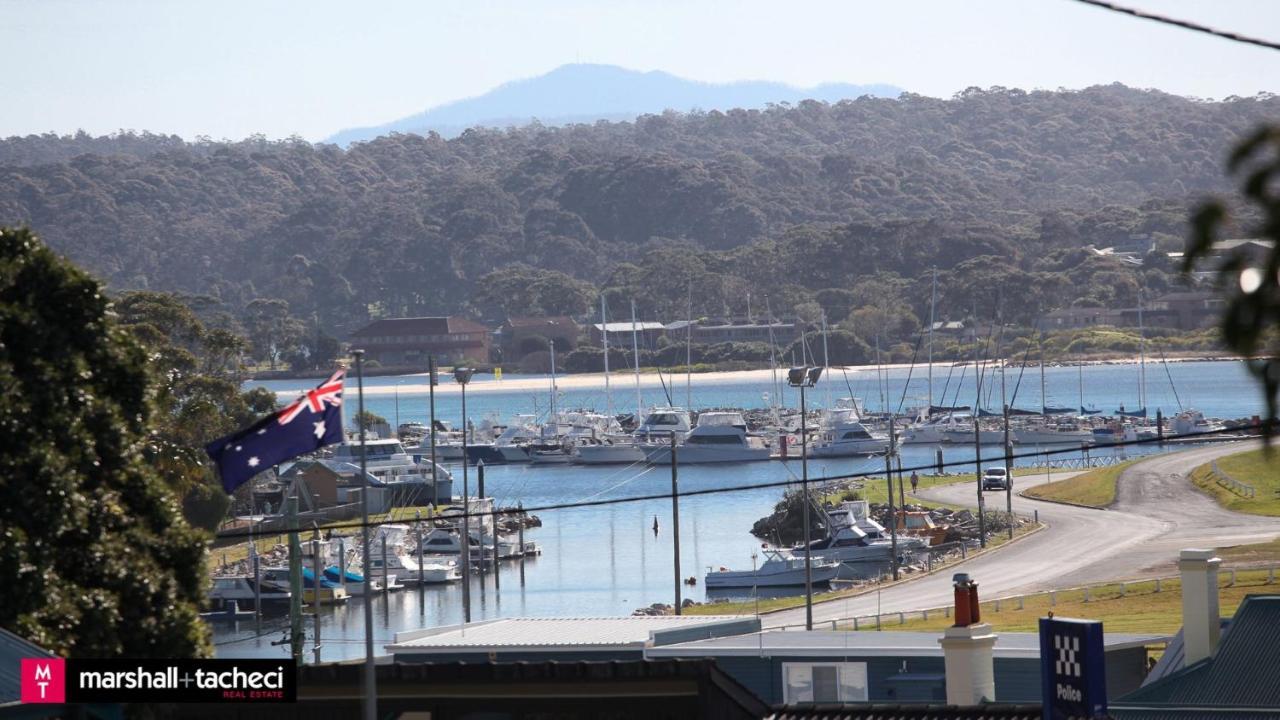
(1254, 468)
(874, 489)
(1140, 609)
(1095, 488)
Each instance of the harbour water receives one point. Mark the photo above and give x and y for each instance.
(606, 560)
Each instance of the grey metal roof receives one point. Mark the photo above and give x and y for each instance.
(12, 649)
(867, 644)
(546, 633)
(1243, 673)
(994, 711)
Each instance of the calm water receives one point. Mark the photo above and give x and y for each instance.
(606, 560)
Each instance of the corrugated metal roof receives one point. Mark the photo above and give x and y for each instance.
(992, 711)
(621, 327)
(589, 632)
(869, 643)
(12, 649)
(1243, 673)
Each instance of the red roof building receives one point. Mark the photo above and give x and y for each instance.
(408, 341)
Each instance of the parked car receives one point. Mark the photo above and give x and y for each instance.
(995, 478)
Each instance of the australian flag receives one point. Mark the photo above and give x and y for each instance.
(311, 422)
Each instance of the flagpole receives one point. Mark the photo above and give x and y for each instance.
(370, 678)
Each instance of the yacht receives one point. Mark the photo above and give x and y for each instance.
(656, 428)
(960, 432)
(779, 569)
(857, 514)
(411, 482)
(718, 437)
(1055, 433)
(842, 434)
(238, 590)
(1191, 422)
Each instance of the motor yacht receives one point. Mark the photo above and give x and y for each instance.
(779, 569)
(842, 434)
(238, 590)
(718, 437)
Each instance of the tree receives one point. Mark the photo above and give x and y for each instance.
(1251, 321)
(97, 559)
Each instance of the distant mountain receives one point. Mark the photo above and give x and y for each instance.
(586, 93)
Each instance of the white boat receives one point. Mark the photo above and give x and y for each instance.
(779, 569)
(622, 452)
(842, 434)
(411, 482)
(718, 437)
(657, 427)
(404, 569)
(239, 590)
(1190, 422)
(1051, 434)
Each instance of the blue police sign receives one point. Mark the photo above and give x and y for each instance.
(1072, 669)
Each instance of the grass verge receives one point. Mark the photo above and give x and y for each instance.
(749, 607)
(1139, 609)
(1253, 467)
(1094, 488)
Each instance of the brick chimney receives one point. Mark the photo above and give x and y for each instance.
(1201, 624)
(967, 649)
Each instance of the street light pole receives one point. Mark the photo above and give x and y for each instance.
(463, 376)
(370, 677)
(805, 377)
(804, 485)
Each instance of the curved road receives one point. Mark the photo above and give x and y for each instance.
(1157, 512)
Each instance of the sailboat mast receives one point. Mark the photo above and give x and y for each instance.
(1080, 377)
(773, 354)
(933, 301)
(604, 324)
(884, 405)
(635, 350)
(1142, 359)
(826, 359)
(1044, 402)
(553, 380)
(688, 354)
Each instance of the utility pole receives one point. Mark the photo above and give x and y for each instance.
(431, 386)
(675, 521)
(893, 513)
(370, 700)
(318, 571)
(296, 637)
(977, 439)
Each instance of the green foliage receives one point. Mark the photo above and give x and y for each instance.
(1252, 317)
(97, 559)
(368, 418)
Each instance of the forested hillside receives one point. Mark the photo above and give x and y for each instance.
(843, 207)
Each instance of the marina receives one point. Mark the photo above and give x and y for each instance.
(609, 560)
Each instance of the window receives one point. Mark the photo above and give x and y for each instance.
(824, 682)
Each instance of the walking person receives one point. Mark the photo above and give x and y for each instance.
(915, 481)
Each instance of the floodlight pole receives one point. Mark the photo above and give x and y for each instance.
(370, 700)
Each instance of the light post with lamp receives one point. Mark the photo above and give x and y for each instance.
(805, 377)
(462, 375)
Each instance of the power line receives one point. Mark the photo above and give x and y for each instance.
(1185, 24)
(252, 533)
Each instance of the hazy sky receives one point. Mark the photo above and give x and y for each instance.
(230, 68)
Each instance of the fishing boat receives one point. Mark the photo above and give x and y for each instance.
(779, 569)
(238, 590)
(842, 434)
(718, 437)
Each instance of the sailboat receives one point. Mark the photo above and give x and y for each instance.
(611, 450)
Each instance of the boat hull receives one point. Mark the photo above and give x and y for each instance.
(822, 574)
(692, 454)
(610, 455)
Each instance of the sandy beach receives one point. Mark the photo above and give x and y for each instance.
(621, 380)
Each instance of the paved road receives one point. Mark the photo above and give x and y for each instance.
(1157, 512)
